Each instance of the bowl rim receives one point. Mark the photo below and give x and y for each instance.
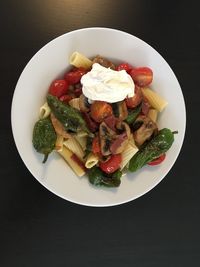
(16, 142)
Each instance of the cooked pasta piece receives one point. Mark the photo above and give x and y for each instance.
(73, 161)
(82, 134)
(131, 140)
(59, 143)
(82, 140)
(155, 100)
(73, 145)
(153, 114)
(91, 161)
(128, 153)
(75, 103)
(44, 111)
(78, 60)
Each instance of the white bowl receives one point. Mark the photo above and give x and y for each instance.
(51, 62)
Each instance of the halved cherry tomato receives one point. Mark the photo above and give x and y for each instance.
(142, 76)
(100, 110)
(132, 102)
(124, 66)
(65, 98)
(58, 88)
(112, 164)
(157, 161)
(74, 76)
(96, 145)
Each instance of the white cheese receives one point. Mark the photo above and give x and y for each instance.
(105, 84)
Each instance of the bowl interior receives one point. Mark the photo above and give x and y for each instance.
(51, 62)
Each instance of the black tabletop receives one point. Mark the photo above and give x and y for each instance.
(161, 228)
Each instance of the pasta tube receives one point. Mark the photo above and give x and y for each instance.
(73, 145)
(91, 161)
(44, 111)
(155, 100)
(82, 140)
(78, 60)
(153, 114)
(74, 162)
(128, 153)
(75, 103)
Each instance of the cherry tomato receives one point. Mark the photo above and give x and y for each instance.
(65, 98)
(100, 110)
(58, 88)
(132, 102)
(96, 146)
(124, 66)
(112, 164)
(157, 161)
(74, 76)
(142, 76)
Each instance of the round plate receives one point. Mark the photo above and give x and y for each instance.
(51, 62)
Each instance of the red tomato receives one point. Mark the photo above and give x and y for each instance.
(132, 102)
(58, 88)
(100, 110)
(112, 164)
(157, 161)
(65, 98)
(74, 76)
(142, 76)
(124, 66)
(96, 146)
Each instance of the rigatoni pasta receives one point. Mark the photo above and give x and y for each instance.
(127, 154)
(91, 160)
(153, 114)
(81, 140)
(78, 60)
(73, 145)
(71, 159)
(154, 99)
(44, 111)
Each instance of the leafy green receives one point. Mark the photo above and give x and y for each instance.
(70, 117)
(99, 178)
(132, 114)
(157, 146)
(44, 137)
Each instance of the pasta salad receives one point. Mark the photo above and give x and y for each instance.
(102, 119)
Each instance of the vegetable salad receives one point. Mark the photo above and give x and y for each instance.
(98, 138)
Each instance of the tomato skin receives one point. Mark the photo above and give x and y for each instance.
(112, 164)
(158, 160)
(124, 66)
(132, 102)
(96, 149)
(142, 76)
(74, 76)
(58, 88)
(65, 98)
(100, 110)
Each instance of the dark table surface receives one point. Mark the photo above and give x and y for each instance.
(161, 228)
